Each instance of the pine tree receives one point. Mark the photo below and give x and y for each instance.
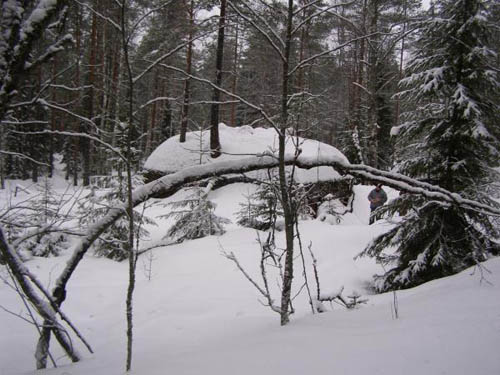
(448, 141)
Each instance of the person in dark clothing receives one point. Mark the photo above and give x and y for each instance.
(377, 198)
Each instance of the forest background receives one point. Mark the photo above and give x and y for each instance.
(344, 95)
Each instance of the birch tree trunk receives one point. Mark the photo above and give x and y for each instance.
(284, 188)
(130, 205)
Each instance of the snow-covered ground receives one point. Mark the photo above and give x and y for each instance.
(197, 314)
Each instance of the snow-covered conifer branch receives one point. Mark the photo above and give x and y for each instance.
(16, 46)
(50, 228)
(55, 48)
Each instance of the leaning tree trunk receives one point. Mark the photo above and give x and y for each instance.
(44, 310)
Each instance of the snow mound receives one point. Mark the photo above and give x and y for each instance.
(172, 156)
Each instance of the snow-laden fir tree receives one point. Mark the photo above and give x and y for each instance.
(38, 226)
(448, 140)
(262, 208)
(112, 244)
(194, 218)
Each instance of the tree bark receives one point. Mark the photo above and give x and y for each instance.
(88, 103)
(129, 201)
(401, 59)
(374, 86)
(187, 81)
(152, 123)
(215, 146)
(235, 74)
(284, 188)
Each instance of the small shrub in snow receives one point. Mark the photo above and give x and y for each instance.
(37, 225)
(112, 244)
(194, 218)
(44, 245)
(263, 209)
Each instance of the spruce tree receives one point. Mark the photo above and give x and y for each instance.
(194, 218)
(448, 140)
(98, 203)
(262, 208)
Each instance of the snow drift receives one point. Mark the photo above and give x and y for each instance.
(237, 143)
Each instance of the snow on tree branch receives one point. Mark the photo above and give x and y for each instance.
(55, 48)
(44, 309)
(17, 39)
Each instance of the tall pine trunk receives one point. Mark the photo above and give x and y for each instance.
(235, 74)
(215, 147)
(187, 81)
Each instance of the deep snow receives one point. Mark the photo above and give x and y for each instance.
(198, 315)
(172, 156)
(195, 313)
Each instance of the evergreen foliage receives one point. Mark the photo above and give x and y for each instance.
(113, 243)
(194, 218)
(37, 225)
(447, 140)
(262, 208)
